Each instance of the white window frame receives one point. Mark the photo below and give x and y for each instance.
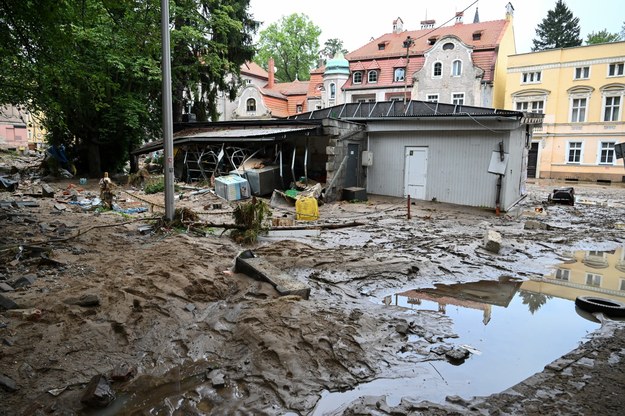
(372, 77)
(581, 72)
(434, 70)
(458, 94)
(332, 90)
(535, 106)
(609, 151)
(619, 106)
(616, 69)
(456, 68)
(577, 109)
(399, 74)
(247, 105)
(562, 274)
(533, 77)
(591, 278)
(622, 284)
(354, 77)
(299, 108)
(432, 98)
(567, 158)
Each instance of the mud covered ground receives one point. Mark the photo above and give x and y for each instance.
(166, 313)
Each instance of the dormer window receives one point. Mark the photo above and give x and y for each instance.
(400, 74)
(372, 77)
(357, 77)
(477, 35)
(381, 46)
(250, 105)
(299, 108)
(432, 40)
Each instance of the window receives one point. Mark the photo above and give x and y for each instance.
(531, 77)
(438, 70)
(616, 70)
(530, 106)
(373, 77)
(399, 74)
(593, 279)
(457, 98)
(357, 77)
(248, 81)
(251, 105)
(582, 72)
(432, 40)
(433, 98)
(611, 109)
(606, 153)
(622, 286)
(299, 108)
(381, 46)
(477, 35)
(332, 90)
(578, 110)
(456, 68)
(448, 46)
(563, 274)
(574, 152)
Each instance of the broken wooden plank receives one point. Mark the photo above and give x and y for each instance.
(259, 268)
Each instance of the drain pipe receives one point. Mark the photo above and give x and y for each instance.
(497, 202)
(293, 166)
(306, 162)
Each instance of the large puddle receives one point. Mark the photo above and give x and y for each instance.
(512, 328)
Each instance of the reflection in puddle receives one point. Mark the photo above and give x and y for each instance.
(512, 331)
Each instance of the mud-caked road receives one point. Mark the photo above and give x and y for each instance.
(175, 330)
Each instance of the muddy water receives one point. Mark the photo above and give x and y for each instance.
(511, 333)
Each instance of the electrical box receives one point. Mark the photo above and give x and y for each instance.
(367, 158)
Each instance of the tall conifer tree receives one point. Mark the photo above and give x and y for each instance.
(558, 30)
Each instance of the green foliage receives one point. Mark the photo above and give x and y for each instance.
(558, 30)
(602, 36)
(251, 217)
(154, 186)
(94, 67)
(332, 47)
(293, 43)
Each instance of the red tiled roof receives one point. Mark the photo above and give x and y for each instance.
(316, 80)
(492, 33)
(393, 56)
(254, 70)
(278, 107)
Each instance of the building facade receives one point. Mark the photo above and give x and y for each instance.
(581, 92)
(13, 131)
(462, 64)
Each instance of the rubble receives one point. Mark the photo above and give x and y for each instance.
(492, 241)
(98, 392)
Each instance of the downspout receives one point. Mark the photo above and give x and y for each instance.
(306, 162)
(499, 180)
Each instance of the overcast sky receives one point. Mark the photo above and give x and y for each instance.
(356, 22)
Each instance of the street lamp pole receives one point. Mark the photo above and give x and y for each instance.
(168, 132)
(407, 44)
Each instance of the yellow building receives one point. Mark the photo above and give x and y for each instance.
(581, 91)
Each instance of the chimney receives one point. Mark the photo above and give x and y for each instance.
(427, 24)
(459, 17)
(509, 11)
(398, 25)
(270, 70)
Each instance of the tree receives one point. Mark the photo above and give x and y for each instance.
(558, 30)
(293, 43)
(534, 301)
(602, 36)
(93, 67)
(332, 47)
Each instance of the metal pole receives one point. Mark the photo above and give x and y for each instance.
(168, 131)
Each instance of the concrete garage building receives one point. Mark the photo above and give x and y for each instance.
(463, 155)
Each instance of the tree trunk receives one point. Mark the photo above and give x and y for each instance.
(93, 155)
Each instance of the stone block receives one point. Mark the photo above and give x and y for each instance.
(492, 241)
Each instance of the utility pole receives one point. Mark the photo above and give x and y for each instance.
(407, 44)
(168, 130)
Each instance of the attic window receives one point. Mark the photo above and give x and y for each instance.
(448, 46)
(477, 35)
(381, 46)
(432, 40)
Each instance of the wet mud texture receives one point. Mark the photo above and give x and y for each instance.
(202, 339)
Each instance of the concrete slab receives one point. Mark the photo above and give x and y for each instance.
(260, 268)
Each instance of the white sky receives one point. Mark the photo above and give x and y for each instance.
(356, 22)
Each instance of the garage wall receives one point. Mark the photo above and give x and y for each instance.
(458, 158)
